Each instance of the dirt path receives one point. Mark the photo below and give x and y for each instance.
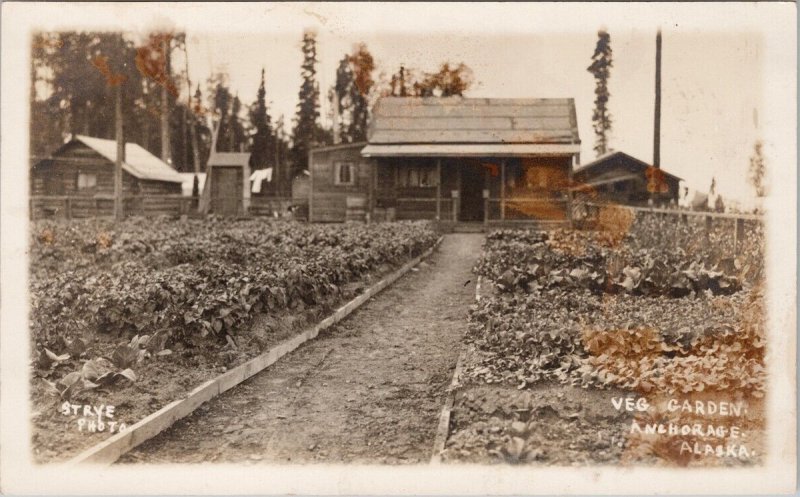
(369, 390)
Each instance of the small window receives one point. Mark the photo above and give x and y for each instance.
(87, 181)
(417, 176)
(344, 173)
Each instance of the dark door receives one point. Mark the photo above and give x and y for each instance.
(472, 184)
(226, 191)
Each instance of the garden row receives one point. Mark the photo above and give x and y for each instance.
(145, 310)
(656, 309)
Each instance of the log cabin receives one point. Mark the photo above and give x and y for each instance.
(454, 159)
(623, 179)
(77, 180)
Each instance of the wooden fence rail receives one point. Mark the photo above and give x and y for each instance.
(99, 206)
(737, 220)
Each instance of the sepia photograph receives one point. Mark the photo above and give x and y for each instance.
(398, 248)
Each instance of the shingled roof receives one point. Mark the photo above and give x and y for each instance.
(431, 126)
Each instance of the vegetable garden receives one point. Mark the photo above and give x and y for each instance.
(642, 341)
(602, 347)
(137, 314)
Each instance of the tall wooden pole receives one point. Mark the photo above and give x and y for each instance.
(165, 145)
(657, 123)
(118, 213)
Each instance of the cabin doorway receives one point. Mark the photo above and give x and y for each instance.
(471, 192)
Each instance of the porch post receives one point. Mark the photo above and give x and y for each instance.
(486, 193)
(373, 189)
(503, 190)
(457, 198)
(439, 189)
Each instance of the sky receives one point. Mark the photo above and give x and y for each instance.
(713, 64)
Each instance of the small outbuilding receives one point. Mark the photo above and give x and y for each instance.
(620, 178)
(228, 186)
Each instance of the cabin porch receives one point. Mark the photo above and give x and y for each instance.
(484, 190)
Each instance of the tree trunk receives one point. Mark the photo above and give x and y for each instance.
(193, 122)
(118, 214)
(165, 144)
(195, 149)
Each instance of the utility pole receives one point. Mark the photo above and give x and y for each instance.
(118, 212)
(657, 123)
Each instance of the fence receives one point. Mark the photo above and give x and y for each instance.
(711, 220)
(530, 209)
(525, 209)
(81, 207)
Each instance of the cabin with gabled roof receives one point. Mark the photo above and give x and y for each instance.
(77, 180)
(453, 160)
(623, 179)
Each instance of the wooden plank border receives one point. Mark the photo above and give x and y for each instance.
(111, 449)
(443, 430)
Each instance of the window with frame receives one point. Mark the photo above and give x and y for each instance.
(417, 176)
(344, 173)
(87, 181)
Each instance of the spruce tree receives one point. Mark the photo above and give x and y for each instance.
(220, 103)
(260, 121)
(601, 69)
(343, 93)
(306, 132)
(363, 65)
(238, 133)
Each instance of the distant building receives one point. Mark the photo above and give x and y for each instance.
(77, 181)
(84, 166)
(623, 179)
(452, 159)
(228, 187)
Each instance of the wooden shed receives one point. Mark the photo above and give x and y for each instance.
(453, 159)
(79, 178)
(620, 178)
(227, 187)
